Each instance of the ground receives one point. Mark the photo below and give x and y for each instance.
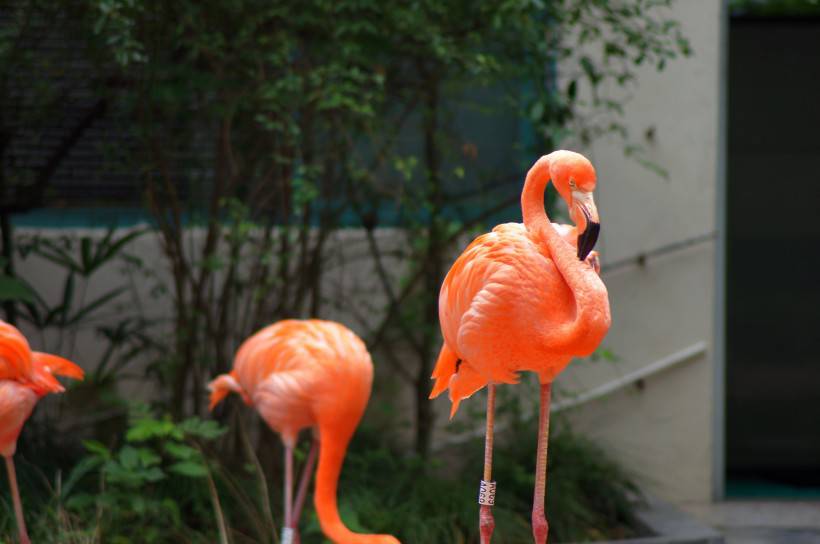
(762, 522)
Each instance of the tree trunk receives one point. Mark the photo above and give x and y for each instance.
(6, 233)
(8, 267)
(433, 270)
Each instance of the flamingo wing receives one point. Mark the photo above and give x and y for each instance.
(474, 305)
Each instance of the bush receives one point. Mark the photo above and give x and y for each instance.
(589, 496)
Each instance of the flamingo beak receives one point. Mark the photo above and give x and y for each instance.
(587, 239)
(591, 227)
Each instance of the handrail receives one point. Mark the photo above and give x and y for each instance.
(673, 359)
(641, 258)
(664, 363)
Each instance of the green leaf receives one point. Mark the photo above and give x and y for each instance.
(85, 254)
(572, 89)
(181, 451)
(153, 474)
(129, 457)
(97, 448)
(68, 298)
(190, 469)
(85, 466)
(148, 457)
(147, 428)
(94, 305)
(590, 70)
(50, 251)
(15, 289)
(203, 429)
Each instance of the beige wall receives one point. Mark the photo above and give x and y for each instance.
(663, 430)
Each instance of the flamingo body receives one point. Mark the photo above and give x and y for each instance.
(308, 373)
(499, 307)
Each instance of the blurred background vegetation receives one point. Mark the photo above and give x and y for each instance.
(249, 134)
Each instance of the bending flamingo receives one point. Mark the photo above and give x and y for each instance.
(25, 377)
(300, 374)
(524, 297)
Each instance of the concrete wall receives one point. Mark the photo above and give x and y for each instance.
(662, 430)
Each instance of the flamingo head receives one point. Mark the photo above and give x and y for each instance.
(574, 178)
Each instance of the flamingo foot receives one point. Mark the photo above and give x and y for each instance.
(540, 527)
(486, 524)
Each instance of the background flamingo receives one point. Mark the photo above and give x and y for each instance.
(524, 297)
(300, 374)
(25, 377)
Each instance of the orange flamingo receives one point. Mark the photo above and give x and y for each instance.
(25, 377)
(300, 374)
(524, 298)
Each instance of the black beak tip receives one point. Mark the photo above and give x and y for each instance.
(587, 240)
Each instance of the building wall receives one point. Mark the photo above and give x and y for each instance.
(661, 428)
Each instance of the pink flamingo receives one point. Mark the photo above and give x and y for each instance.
(524, 297)
(25, 377)
(301, 374)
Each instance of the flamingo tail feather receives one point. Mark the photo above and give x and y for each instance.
(463, 384)
(446, 367)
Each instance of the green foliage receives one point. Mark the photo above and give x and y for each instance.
(153, 485)
(75, 258)
(589, 496)
(12, 288)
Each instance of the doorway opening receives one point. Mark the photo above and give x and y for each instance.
(773, 258)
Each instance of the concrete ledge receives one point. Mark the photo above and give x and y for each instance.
(668, 525)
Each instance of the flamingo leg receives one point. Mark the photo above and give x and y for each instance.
(307, 472)
(287, 526)
(486, 494)
(18, 505)
(540, 527)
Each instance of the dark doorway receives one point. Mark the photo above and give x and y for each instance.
(773, 260)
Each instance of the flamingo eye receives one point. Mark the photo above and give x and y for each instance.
(572, 184)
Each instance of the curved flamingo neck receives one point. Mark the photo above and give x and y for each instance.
(532, 197)
(332, 448)
(581, 336)
(537, 221)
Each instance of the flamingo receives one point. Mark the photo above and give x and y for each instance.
(299, 374)
(25, 377)
(524, 297)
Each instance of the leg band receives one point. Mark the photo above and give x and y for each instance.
(486, 493)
